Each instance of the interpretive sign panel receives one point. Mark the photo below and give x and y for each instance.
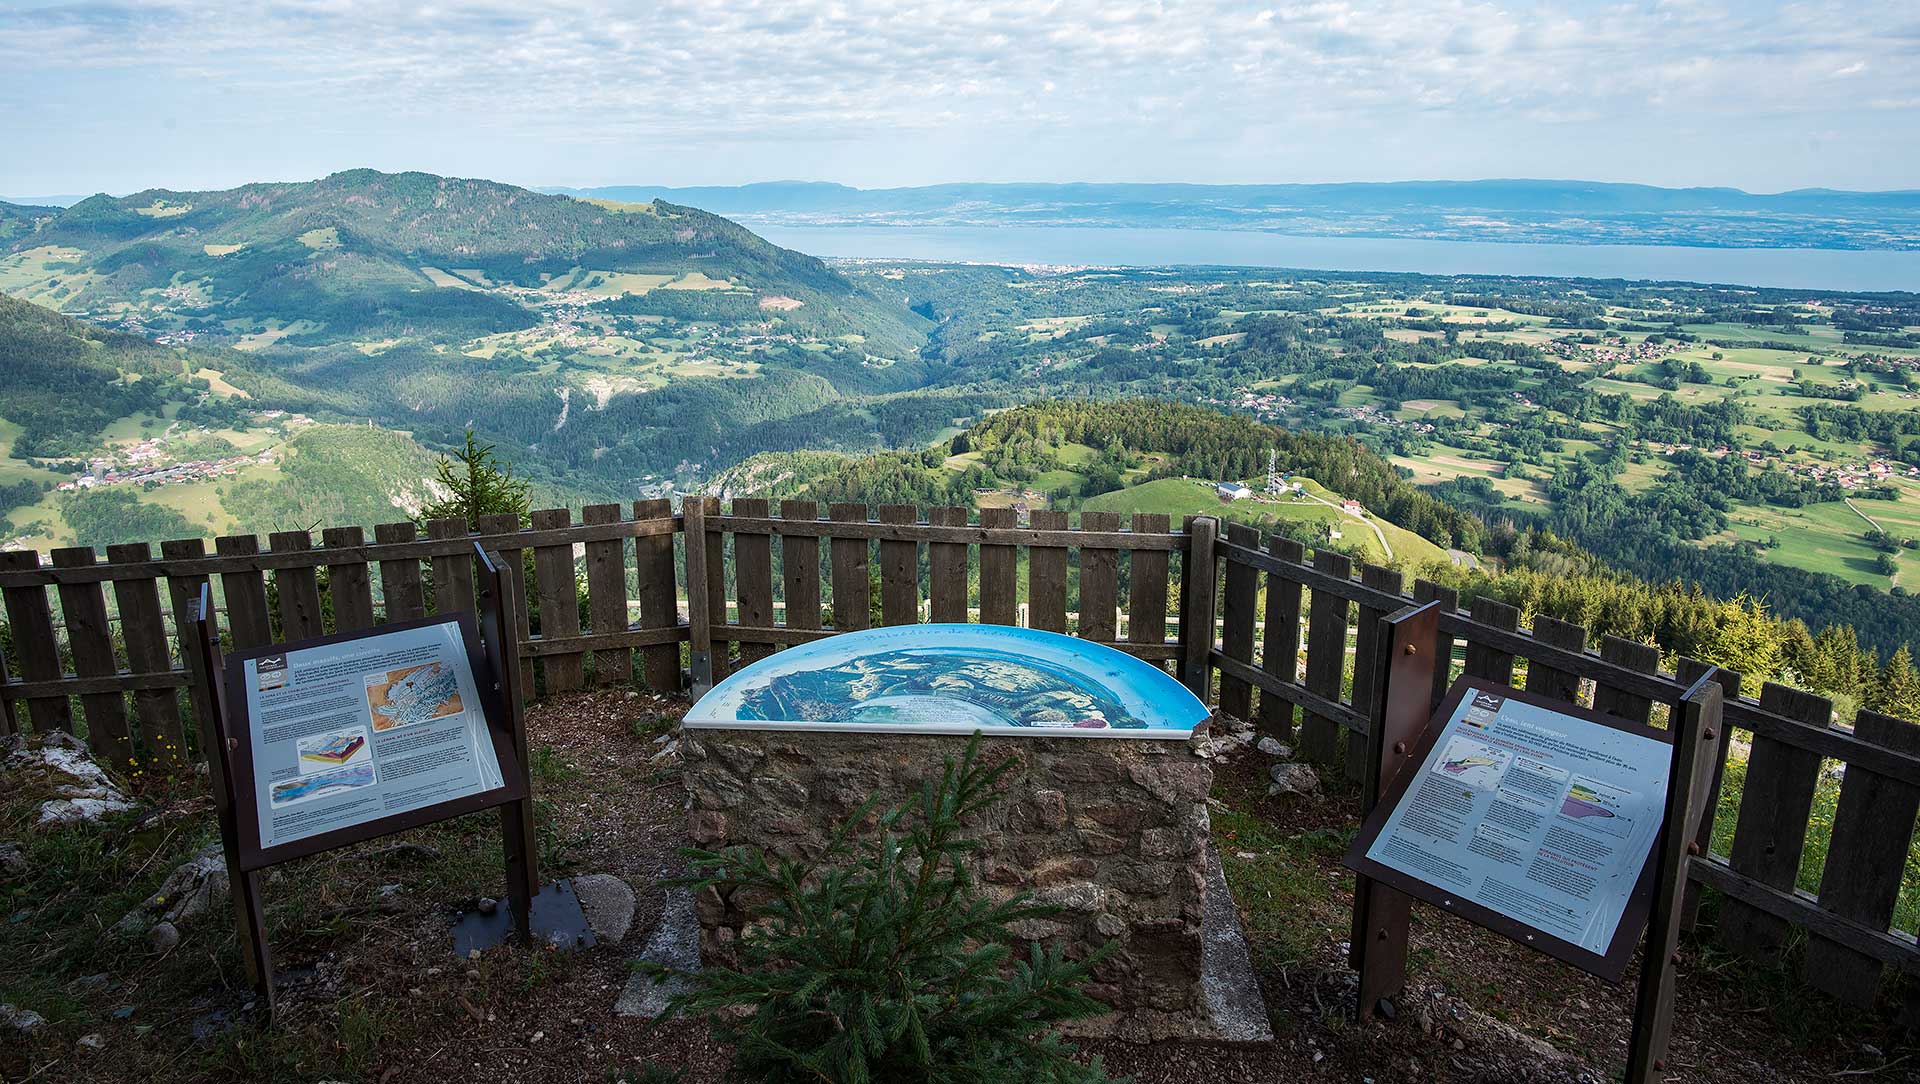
(954, 679)
(1532, 817)
(347, 737)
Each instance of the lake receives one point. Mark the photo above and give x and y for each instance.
(1828, 269)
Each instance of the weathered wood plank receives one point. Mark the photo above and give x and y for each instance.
(1872, 834)
(1047, 576)
(899, 570)
(349, 584)
(1280, 646)
(800, 561)
(245, 592)
(999, 572)
(1099, 580)
(1543, 679)
(36, 654)
(1631, 656)
(849, 554)
(1326, 657)
(753, 579)
(402, 595)
(1238, 602)
(1775, 805)
(298, 590)
(558, 603)
(90, 639)
(947, 569)
(1147, 583)
(453, 586)
(143, 628)
(1366, 638)
(607, 596)
(1485, 660)
(659, 597)
(693, 512)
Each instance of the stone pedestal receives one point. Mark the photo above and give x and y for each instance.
(1112, 830)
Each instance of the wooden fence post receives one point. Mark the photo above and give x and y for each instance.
(1367, 631)
(348, 583)
(1047, 576)
(143, 628)
(1099, 581)
(401, 595)
(1146, 585)
(90, 639)
(800, 561)
(947, 569)
(753, 578)
(1772, 830)
(899, 569)
(999, 571)
(559, 603)
(852, 591)
(298, 588)
(1199, 582)
(1690, 671)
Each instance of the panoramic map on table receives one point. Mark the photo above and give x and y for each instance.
(954, 679)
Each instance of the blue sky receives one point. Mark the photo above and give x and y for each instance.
(195, 94)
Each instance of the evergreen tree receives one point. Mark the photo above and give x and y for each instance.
(1898, 693)
(478, 484)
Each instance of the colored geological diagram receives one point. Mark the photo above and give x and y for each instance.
(414, 694)
(954, 679)
(1473, 764)
(320, 784)
(333, 750)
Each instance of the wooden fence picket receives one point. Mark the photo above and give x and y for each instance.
(402, 595)
(349, 583)
(1237, 612)
(297, 589)
(1146, 584)
(947, 569)
(753, 578)
(658, 595)
(1099, 581)
(245, 591)
(1545, 680)
(515, 566)
(899, 569)
(800, 561)
(90, 639)
(453, 585)
(1280, 645)
(1484, 660)
(1688, 672)
(849, 554)
(143, 629)
(1326, 657)
(559, 602)
(183, 595)
(1771, 833)
(1047, 576)
(1872, 840)
(999, 570)
(36, 654)
(607, 596)
(1628, 655)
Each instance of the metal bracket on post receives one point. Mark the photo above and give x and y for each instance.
(1406, 653)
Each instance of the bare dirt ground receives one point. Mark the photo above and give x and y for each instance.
(373, 993)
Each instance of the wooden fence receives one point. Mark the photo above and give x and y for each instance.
(1287, 641)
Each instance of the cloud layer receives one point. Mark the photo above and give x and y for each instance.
(1759, 94)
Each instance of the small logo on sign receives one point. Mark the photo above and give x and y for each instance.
(271, 672)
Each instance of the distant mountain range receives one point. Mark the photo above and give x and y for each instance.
(1574, 212)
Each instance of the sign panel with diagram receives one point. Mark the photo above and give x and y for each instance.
(346, 737)
(1533, 817)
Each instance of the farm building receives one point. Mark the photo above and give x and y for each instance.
(1233, 491)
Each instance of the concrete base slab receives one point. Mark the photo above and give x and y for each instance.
(675, 943)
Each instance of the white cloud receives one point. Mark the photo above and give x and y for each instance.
(850, 82)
